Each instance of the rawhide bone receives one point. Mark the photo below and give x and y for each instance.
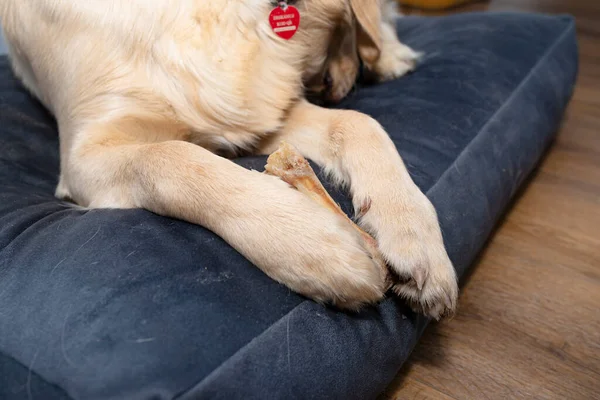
(291, 167)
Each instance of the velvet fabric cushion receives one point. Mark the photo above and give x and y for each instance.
(126, 304)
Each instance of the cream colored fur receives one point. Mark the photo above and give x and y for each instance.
(147, 93)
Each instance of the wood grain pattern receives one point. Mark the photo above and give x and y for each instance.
(528, 325)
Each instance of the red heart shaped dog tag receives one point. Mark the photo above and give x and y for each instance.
(285, 21)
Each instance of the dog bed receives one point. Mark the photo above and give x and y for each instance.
(125, 304)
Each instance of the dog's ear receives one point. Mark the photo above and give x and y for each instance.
(368, 16)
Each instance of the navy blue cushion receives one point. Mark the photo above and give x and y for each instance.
(115, 304)
(3, 48)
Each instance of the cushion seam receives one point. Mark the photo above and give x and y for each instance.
(559, 39)
(30, 370)
(282, 318)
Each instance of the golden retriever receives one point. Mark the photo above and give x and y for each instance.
(149, 93)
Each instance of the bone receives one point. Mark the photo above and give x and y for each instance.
(291, 167)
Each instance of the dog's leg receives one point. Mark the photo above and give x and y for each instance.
(355, 149)
(290, 237)
(396, 58)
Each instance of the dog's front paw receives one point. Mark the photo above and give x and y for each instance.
(410, 240)
(395, 61)
(307, 247)
(431, 287)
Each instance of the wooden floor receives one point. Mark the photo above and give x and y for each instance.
(529, 320)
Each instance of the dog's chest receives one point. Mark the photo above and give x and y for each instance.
(227, 77)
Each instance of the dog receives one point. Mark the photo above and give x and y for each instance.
(150, 95)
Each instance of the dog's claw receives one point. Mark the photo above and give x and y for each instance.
(419, 276)
(364, 208)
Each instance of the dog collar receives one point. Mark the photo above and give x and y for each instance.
(275, 3)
